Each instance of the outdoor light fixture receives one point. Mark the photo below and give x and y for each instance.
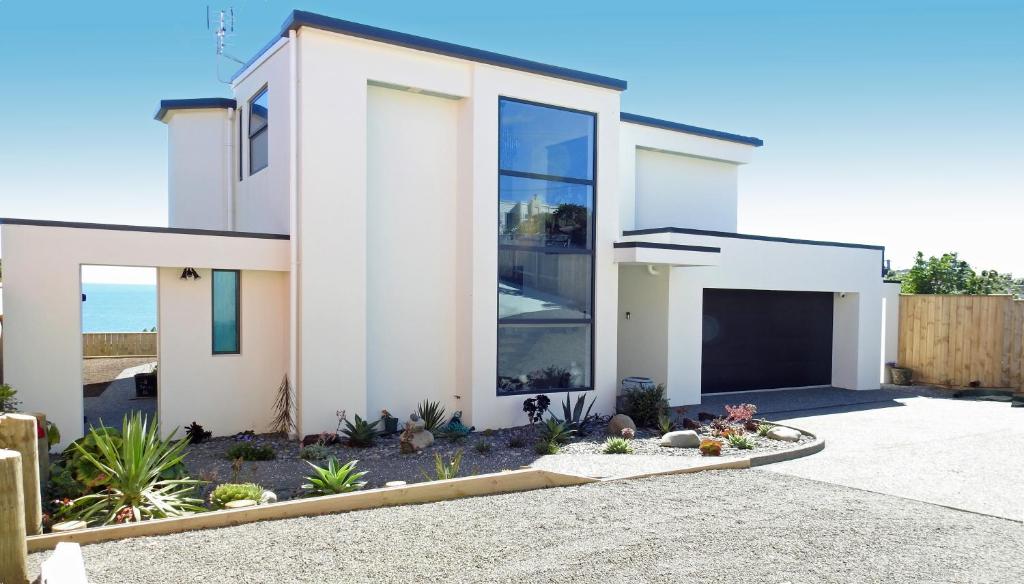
(189, 273)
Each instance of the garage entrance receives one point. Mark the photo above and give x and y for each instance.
(762, 339)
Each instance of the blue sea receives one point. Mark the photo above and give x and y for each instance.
(118, 308)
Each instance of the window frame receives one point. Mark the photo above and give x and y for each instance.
(265, 90)
(592, 252)
(240, 114)
(238, 312)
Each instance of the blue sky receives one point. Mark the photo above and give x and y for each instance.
(888, 122)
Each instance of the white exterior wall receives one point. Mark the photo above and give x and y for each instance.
(224, 393)
(42, 297)
(335, 313)
(890, 324)
(412, 195)
(643, 337)
(674, 190)
(199, 154)
(261, 199)
(767, 265)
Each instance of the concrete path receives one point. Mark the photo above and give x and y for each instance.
(918, 444)
(607, 466)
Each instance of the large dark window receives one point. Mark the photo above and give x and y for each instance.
(258, 134)
(225, 311)
(545, 248)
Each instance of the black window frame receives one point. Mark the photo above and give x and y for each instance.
(591, 251)
(238, 313)
(265, 90)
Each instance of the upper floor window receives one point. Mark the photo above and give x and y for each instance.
(258, 135)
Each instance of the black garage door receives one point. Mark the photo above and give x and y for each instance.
(760, 339)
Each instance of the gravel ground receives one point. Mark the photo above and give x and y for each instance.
(106, 369)
(714, 527)
(285, 474)
(649, 442)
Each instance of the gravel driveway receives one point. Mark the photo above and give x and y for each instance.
(721, 526)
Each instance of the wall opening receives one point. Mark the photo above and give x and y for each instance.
(119, 331)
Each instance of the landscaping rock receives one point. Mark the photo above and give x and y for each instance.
(785, 434)
(415, 437)
(239, 503)
(268, 497)
(681, 439)
(707, 416)
(690, 424)
(618, 422)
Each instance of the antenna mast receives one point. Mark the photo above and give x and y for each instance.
(222, 26)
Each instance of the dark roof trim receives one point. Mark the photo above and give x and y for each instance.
(143, 228)
(671, 246)
(300, 18)
(890, 281)
(687, 129)
(166, 105)
(688, 231)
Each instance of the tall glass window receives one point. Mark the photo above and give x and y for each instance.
(258, 134)
(546, 167)
(225, 311)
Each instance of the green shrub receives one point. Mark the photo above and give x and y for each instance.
(315, 451)
(246, 450)
(361, 433)
(228, 492)
(483, 447)
(133, 465)
(334, 479)
(432, 414)
(445, 470)
(741, 441)
(546, 447)
(665, 424)
(763, 429)
(616, 445)
(8, 402)
(645, 405)
(555, 431)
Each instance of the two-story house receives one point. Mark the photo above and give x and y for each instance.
(386, 218)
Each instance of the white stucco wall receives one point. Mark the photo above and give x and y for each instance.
(675, 190)
(643, 337)
(199, 148)
(333, 212)
(261, 199)
(890, 324)
(412, 192)
(42, 297)
(767, 265)
(224, 393)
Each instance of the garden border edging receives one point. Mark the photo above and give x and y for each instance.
(528, 479)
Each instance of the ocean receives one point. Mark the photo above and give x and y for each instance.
(118, 308)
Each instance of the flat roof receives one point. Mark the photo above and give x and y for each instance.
(166, 105)
(143, 228)
(729, 234)
(688, 129)
(300, 18)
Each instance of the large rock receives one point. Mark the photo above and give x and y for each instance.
(618, 422)
(681, 439)
(784, 433)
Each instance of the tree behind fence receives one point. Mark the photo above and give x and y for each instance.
(955, 340)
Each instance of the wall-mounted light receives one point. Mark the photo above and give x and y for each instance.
(187, 273)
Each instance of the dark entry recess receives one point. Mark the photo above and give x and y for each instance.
(762, 339)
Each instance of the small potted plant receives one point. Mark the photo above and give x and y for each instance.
(899, 375)
(389, 422)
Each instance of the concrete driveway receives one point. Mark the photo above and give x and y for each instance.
(918, 444)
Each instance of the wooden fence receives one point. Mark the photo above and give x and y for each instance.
(956, 340)
(119, 344)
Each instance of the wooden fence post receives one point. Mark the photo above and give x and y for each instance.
(13, 547)
(18, 432)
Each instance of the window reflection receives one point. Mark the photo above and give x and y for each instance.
(545, 213)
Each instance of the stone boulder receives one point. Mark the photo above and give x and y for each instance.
(415, 437)
(784, 433)
(681, 439)
(618, 422)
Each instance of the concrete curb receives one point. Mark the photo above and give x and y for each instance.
(480, 485)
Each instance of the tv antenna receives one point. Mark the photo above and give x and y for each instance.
(222, 24)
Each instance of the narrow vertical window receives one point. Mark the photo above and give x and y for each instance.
(545, 248)
(258, 133)
(240, 144)
(225, 311)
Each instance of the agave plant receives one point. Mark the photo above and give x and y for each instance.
(360, 433)
(334, 479)
(432, 414)
(133, 466)
(445, 470)
(555, 431)
(574, 417)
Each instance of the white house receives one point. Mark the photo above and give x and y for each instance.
(386, 218)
